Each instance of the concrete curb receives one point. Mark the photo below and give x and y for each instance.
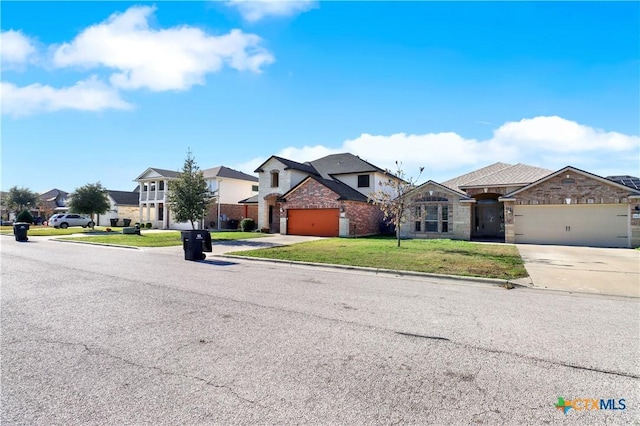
(491, 281)
(94, 244)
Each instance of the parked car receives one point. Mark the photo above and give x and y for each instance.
(6, 223)
(66, 220)
(37, 220)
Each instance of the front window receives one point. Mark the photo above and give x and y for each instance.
(275, 179)
(431, 219)
(145, 187)
(254, 188)
(161, 185)
(363, 181)
(445, 218)
(153, 186)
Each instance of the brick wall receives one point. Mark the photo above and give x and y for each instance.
(582, 189)
(232, 211)
(364, 218)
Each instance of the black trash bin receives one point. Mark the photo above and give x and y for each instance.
(127, 222)
(114, 222)
(195, 242)
(233, 224)
(20, 231)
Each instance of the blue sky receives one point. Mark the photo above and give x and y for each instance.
(107, 89)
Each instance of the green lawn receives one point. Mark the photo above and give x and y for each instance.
(158, 239)
(47, 231)
(433, 256)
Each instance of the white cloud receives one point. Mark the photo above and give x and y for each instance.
(550, 142)
(255, 10)
(556, 134)
(87, 95)
(15, 48)
(166, 59)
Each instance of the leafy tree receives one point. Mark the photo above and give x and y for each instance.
(89, 199)
(188, 195)
(19, 199)
(392, 199)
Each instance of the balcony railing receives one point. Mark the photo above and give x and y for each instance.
(152, 196)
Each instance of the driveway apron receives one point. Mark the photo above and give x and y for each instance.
(610, 271)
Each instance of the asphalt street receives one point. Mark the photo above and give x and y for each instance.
(104, 335)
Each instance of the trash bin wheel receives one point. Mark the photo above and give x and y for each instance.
(204, 256)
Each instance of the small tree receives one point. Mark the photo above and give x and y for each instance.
(25, 216)
(188, 194)
(392, 199)
(19, 199)
(89, 199)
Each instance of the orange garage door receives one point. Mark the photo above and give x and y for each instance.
(317, 222)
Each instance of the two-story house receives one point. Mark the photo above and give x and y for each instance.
(226, 186)
(325, 197)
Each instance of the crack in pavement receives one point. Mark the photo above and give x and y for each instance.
(359, 324)
(135, 364)
(521, 356)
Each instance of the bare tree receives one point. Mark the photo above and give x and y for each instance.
(392, 199)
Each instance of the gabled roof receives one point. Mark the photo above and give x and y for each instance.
(442, 187)
(573, 169)
(289, 164)
(125, 197)
(498, 174)
(344, 191)
(52, 194)
(630, 181)
(161, 172)
(345, 163)
(226, 172)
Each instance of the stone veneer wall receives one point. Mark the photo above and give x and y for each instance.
(459, 216)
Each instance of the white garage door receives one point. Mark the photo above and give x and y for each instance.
(599, 225)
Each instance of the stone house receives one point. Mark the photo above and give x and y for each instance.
(527, 204)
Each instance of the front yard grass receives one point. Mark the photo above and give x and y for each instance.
(433, 256)
(48, 231)
(158, 239)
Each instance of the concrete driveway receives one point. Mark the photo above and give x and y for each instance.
(583, 269)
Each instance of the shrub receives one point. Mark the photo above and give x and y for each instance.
(24, 216)
(148, 225)
(247, 225)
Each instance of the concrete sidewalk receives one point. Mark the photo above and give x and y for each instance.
(611, 271)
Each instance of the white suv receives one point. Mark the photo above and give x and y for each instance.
(66, 220)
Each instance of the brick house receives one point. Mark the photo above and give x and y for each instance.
(526, 204)
(324, 197)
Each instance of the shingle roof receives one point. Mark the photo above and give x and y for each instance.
(290, 164)
(226, 172)
(53, 193)
(344, 163)
(344, 191)
(166, 173)
(251, 200)
(125, 197)
(498, 174)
